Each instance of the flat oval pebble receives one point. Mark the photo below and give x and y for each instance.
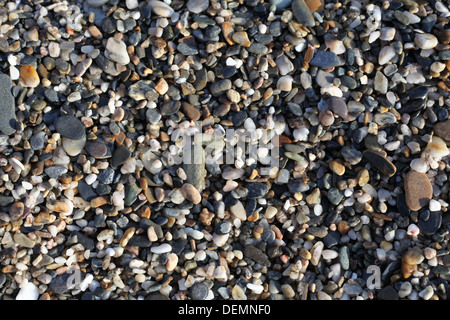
(380, 162)
(418, 190)
(70, 127)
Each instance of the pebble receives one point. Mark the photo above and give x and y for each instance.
(380, 83)
(28, 292)
(197, 6)
(29, 76)
(386, 54)
(116, 50)
(257, 190)
(426, 41)
(380, 162)
(418, 190)
(7, 106)
(199, 291)
(70, 127)
(325, 60)
(302, 13)
(191, 193)
(73, 147)
(256, 255)
(442, 130)
(161, 9)
(437, 148)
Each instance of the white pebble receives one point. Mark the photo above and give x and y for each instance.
(28, 292)
(434, 205)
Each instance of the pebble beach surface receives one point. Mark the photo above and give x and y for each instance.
(93, 205)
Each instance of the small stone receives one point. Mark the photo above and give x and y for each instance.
(339, 107)
(414, 256)
(190, 111)
(195, 170)
(187, 49)
(29, 76)
(73, 147)
(285, 83)
(220, 87)
(55, 172)
(257, 190)
(325, 60)
(335, 196)
(324, 79)
(162, 87)
(197, 6)
(120, 155)
(161, 9)
(143, 89)
(302, 13)
(388, 293)
(28, 292)
(419, 165)
(241, 38)
(199, 291)
(256, 255)
(238, 211)
(315, 5)
(378, 161)
(96, 149)
(334, 44)
(337, 167)
(442, 129)
(386, 54)
(426, 41)
(23, 240)
(70, 127)
(16, 211)
(437, 148)
(418, 190)
(383, 119)
(284, 65)
(191, 193)
(116, 50)
(380, 83)
(432, 223)
(387, 33)
(326, 117)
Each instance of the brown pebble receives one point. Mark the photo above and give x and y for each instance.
(191, 112)
(337, 167)
(191, 193)
(16, 211)
(315, 5)
(418, 190)
(29, 76)
(442, 129)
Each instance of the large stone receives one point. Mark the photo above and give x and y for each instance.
(7, 106)
(418, 190)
